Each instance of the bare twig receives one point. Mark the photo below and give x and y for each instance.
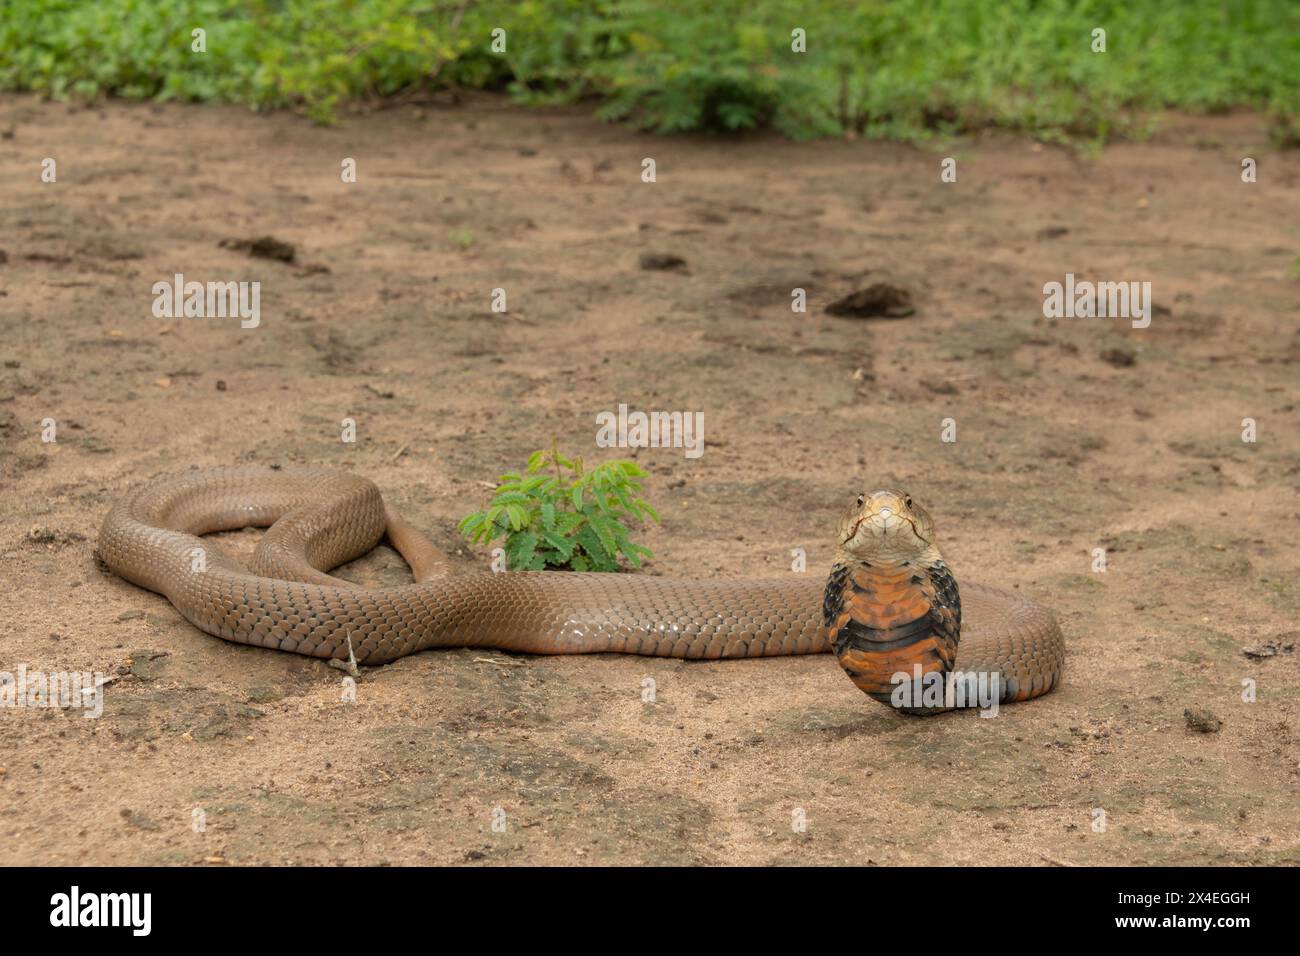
(350, 665)
(502, 661)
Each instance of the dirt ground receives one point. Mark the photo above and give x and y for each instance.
(1072, 434)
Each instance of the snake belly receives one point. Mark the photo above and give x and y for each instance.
(321, 518)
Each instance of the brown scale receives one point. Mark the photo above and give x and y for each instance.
(882, 621)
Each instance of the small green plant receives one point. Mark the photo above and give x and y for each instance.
(463, 239)
(556, 515)
(875, 68)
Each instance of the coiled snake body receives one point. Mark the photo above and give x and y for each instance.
(321, 518)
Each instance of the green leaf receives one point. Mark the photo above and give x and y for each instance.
(618, 531)
(621, 497)
(591, 544)
(567, 523)
(576, 496)
(471, 522)
(601, 526)
(519, 555)
(518, 516)
(559, 543)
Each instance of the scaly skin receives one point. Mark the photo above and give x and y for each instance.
(323, 518)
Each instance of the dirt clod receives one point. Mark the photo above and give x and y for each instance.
(1282, 644)
(662, 262)
(878, 300)
(1202, 721)
(1120, 358)
(53, 537)
(264, 247)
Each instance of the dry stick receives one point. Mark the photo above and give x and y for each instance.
(350, 665)
(400, 452)
(100, 684)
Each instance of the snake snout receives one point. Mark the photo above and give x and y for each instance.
(885, 522)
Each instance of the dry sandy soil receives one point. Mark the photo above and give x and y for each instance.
(1073, 434)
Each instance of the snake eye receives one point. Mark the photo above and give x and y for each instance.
(907, 501)
(861, 498)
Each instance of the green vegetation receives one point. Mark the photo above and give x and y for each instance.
(569, 519)
(896, 68)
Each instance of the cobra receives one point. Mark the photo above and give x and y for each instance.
(890, 602)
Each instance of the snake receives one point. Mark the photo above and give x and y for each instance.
(888, 607)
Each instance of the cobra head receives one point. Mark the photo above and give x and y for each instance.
(887, 528)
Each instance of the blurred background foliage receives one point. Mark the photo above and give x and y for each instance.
(878, 68)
